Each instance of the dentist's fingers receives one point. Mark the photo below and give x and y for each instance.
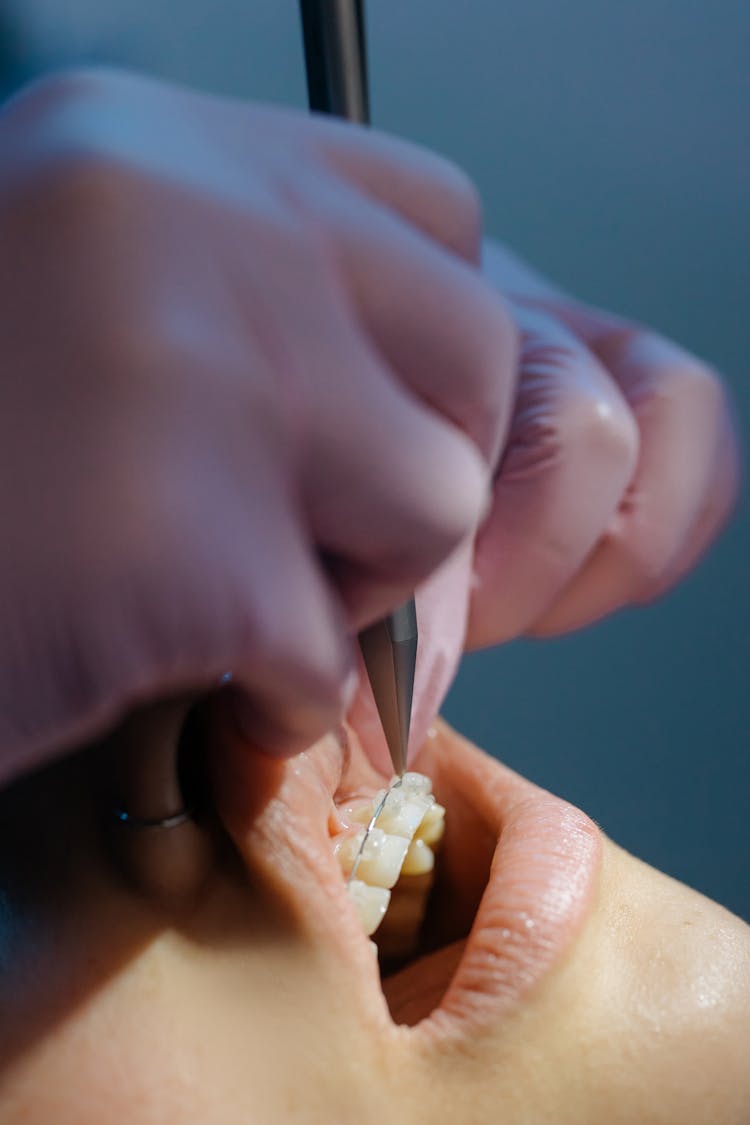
(439, 326)
(685, 484)
(571, 452)
(430, 192)
(717, 508)
(391, 488)
(236, 550)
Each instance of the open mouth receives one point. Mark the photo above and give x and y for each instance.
(464, 932)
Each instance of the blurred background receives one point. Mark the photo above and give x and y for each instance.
(611, 143)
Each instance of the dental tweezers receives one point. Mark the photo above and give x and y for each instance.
(336, 64)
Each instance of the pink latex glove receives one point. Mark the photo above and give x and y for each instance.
(253, 387)
(620, 467)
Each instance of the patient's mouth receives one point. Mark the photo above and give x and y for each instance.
(387, 855)
(488, 913)
(464, 938)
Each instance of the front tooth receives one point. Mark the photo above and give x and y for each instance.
(382, 857)
(416, 783)
(370, 903)
(357, 814)
(420, 858)
(432, 828)
(403, 813)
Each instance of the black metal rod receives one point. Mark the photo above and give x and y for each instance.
(336, 62)
(336, 58)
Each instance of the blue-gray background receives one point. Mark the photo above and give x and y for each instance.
(611, 143)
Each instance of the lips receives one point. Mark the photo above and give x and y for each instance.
(518, 877)
(517, 874)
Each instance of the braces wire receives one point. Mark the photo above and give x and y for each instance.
(395, 784)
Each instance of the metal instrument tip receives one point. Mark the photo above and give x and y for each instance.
(389, 648)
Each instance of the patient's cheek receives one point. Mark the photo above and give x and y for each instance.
(681, 971)
(646, 1020)
(228, 1019)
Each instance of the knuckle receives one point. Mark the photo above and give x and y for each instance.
(56, 110)
(51, 95)
(298, 239)
(690, 387)
(501, 358)
(702, 384)
(648, 553)
(486, 391)
(602, 423)
(650, 569)
(73, 197)
(70, 163)
(463, 213)
(440, 519)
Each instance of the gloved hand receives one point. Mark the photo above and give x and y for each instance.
(253, 385)
(620, 468)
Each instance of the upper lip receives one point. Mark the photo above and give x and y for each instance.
(518, 871)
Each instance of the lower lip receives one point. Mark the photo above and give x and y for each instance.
(540, 888)
(541, 885)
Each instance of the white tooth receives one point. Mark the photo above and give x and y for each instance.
(420, 858)
(370, 903)
(433, 826)
(397, 854)
(403, 813)
(383, 855)
(357, 814)
(346, 849)
(413, 782)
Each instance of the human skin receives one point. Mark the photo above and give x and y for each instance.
(591, 988)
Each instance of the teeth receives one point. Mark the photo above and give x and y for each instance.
(433, 826)
(399, 934)
(398, 854)
(420, 858)
(382, 858)
(416, 783)
(370, 903)
(404, 812)
(357, 814)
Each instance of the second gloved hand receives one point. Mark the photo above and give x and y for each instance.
(620, 467)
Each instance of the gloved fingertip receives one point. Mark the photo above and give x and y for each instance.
(284, 734)
(349, 690)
